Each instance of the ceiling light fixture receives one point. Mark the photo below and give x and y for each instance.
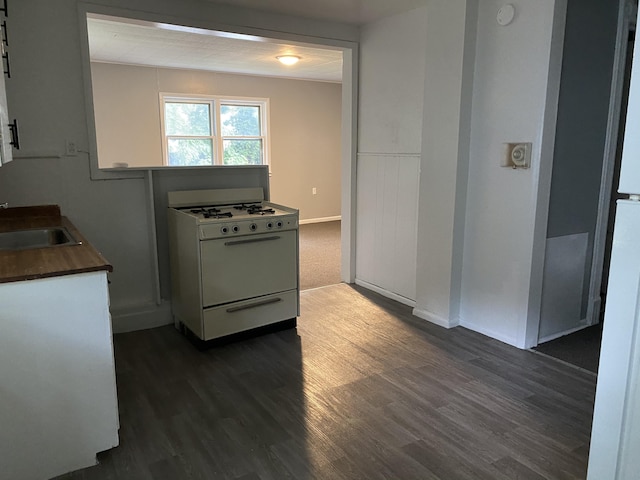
(288, 59)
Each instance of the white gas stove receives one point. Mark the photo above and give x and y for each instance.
(234, 261)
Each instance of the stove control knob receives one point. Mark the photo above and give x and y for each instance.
(279, 224)
(269, 224)
(235, 228)
(253, 227)
(224, 230)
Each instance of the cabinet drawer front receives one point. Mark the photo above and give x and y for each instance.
(248, 266)
(248, 314)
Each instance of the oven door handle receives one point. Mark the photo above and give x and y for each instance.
(250, 240)
(254, 305)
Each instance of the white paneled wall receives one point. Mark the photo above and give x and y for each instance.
(391, 87)
(563, 280)
(387, 223)
(391, 90)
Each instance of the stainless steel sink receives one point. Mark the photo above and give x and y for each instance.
(36, 238)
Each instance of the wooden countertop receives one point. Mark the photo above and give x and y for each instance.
(33, 263)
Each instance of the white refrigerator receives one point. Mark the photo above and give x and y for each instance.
(615, 436)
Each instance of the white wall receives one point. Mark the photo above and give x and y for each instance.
(392, 72)
(46, 95)
(127, 119)
(450, 52)
(304, 126)
(515, 91)
(478, 241)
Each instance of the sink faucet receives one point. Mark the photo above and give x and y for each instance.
(4, 205)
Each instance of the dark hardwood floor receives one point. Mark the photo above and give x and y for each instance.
(361, 390)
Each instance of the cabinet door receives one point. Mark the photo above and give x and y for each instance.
(6, 152)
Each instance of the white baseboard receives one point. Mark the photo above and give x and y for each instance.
(320, 220)
(491, 333)
(386, 293)
(583, 324)
(435, 319)
(141, 317)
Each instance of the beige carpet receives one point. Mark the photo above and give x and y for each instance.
(319, 254)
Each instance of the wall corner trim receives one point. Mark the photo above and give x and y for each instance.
(495, 334)
(436, 319)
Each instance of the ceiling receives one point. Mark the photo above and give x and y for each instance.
(356, 12)
(122, 41)
(135, 42)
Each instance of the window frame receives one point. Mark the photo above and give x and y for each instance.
(164, 99)
(262, 104)
(215, 103)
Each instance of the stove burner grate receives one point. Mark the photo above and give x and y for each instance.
(258, 210)
(244, 206)
(212, 213)
(254, 209)
(219, 215)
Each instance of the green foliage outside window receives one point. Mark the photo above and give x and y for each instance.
(187, 120)
(242, 152)
(241, 120)
(185, 152)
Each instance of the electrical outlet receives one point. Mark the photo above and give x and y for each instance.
(70, 148)
(314, 191)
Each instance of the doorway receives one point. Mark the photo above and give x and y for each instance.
(320, 254)
(615, 196)
(582, 348)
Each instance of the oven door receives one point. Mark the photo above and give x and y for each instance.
(236, 268)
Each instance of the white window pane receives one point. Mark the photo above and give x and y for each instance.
(240, 120)
(190, 152)
(242, 152)
(186, 119)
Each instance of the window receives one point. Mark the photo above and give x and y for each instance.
(213, 130)
(188, 130)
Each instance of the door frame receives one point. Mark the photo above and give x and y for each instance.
(627, 13)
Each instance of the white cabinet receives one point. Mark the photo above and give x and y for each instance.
(58, 403)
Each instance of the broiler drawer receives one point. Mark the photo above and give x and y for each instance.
(247, 314)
